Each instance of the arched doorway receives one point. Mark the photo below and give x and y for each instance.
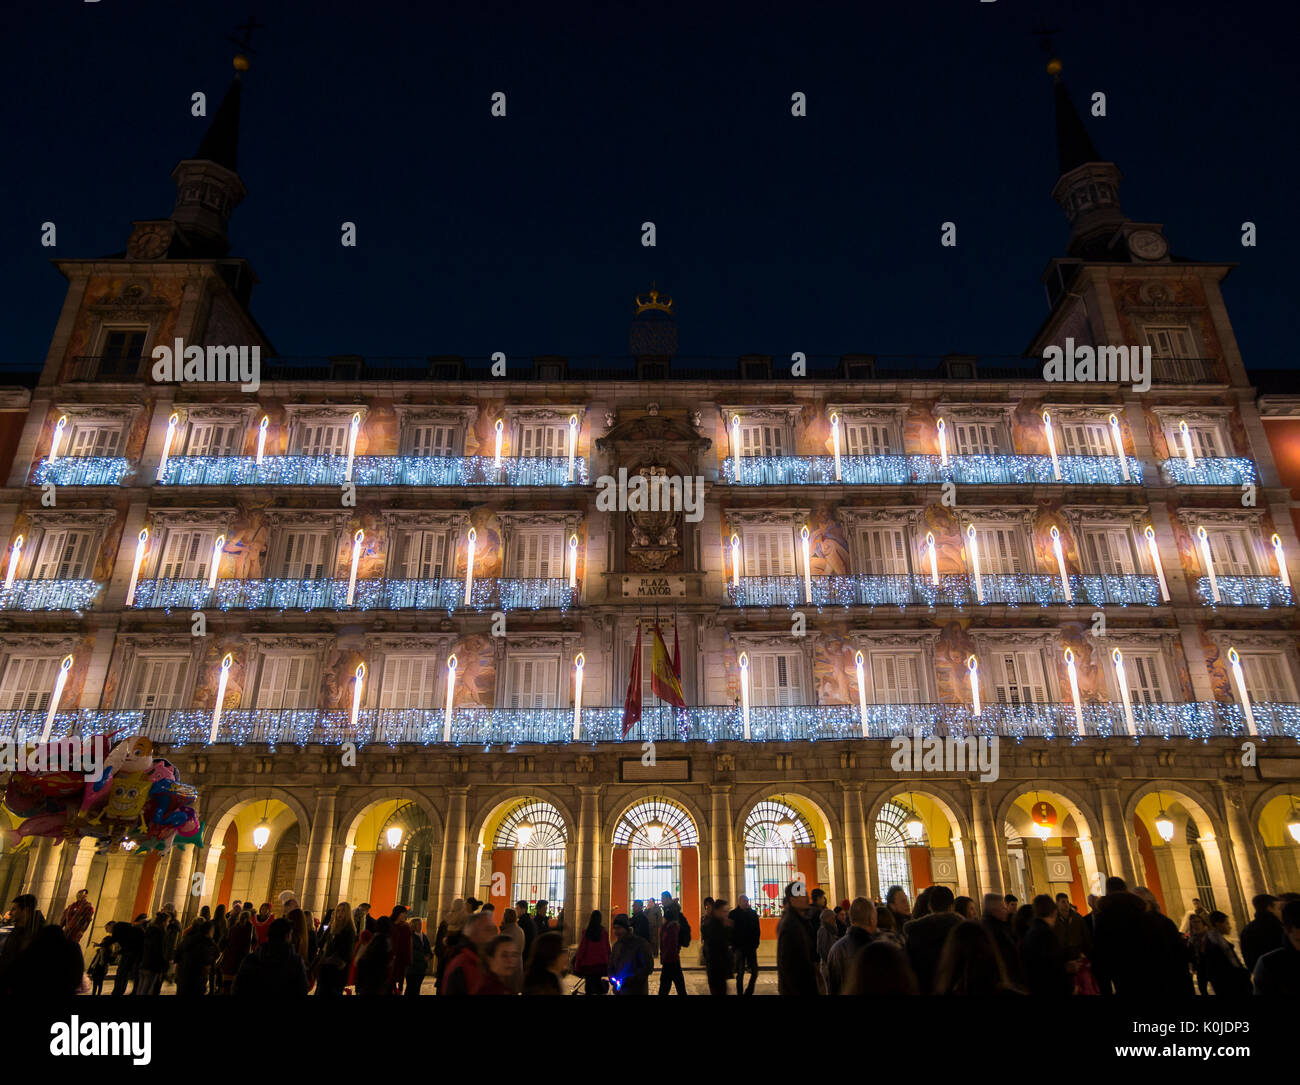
(1049, 847)
(267, 853)
(1178, 853)
(528, 844)
(1279, 833)
(902, 847)
(656, 850)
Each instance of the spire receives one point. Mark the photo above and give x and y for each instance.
(1074, 147)
(221, 143)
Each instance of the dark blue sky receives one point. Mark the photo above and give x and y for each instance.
(775, 234)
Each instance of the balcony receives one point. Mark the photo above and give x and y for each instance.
(372, 471)
(489, 593)
(1246, 591)
(929, 470)
(505, 727)
(49, 595)
(82, 471)
(953, 590)
(1186, 371)
(1224, 471)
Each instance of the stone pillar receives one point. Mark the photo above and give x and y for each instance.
(987, 864)
(28, 450)
(858, 875)
(316, 878)
(451, 880)
(1117, 846)
(722, 850)
(1242, 852)
(151, 455)
(177, 882)
(586, 875)
(43, 873)
(137, 515)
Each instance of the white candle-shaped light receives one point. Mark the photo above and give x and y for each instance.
(60, 681)
(167, 444)
(1051, 445)
(1234, 661)
(57, 439)
(451, 694)
(1156, 564)
(835, 441)
(469, 565)
(1186, 435)
(358, 683)
(1121, 680)
(500, 428)
(1119, 447)
(942, 427)
(1283, 574)
(744, 692)
(735, 560)
(221, 697)
(1060, 564)
(573, 443)
(1207, 559)
(261, 438)
(973, 552)
(1074, 689)
(356, 558)
(579, 661)
(352, 445)
(934, 559)
(862, 692)
(973, 669)
(15, 553)
(141, 545)
(217, 546)
(807, 564)
(735, 444)
(573, 561)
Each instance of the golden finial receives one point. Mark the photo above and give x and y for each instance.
(241, 63)
(1053, 67)
(653, 302)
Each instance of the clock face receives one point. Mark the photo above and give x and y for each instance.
(149, 242)
(1147, 244)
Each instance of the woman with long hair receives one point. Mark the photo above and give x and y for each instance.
(970, 964)
(336, 953)
(298, 937)
(591, 961)
(546, 966)
(219, 930)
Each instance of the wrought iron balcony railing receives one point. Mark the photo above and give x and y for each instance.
(488, 593)
(1224, 471)
(373, 471)
(472, 726)
(49, 595)
(1186, 371)
(1006, 470)
(1246, 591)
(953, 590)
(83, 471)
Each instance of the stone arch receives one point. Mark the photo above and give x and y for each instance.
(488, 812)
(352, 819)
(942, 797)
(223, 813)
(1088, 826)
(1281, 861)
(828, 835)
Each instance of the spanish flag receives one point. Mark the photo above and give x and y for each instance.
(663, 681)
(632, 702)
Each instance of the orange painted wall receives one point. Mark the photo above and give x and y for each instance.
(690, 885)
(1149, 862)
(805, 863)
(383, 881)
(145, 889)
(618, 885)
(230, 845)
(918, 861)
(1078, 897)
(503, 862)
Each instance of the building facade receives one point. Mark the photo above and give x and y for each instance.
(384, 615)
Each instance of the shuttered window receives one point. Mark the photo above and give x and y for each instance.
(307, 555)
(977, 438)
(1000, 549)
(1170, 341)
(1084, 438)
(533, 682)
(287, 681)
(768, 551)
(159, 681)
(762, 439)
(884, 551)
(1108, 550)
(539, 554)
(186, 554)
(410, 681)
(1206, 439)
(538, 439)
(1144, 675)
(774, 679)
(1018, 676)
(28, 683)
(868, 438)
(92, 440)
(897, 677)
(65, 554)
(1268, 677)
(322, 438)
(1232, 551)
(422, 555)
(433, 439)
(214, 439)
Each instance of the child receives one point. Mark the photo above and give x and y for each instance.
(99, 963)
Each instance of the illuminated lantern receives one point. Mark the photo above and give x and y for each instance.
(654, 832)
(523, 833)
(1044, 817)
(394, 836)
(1165, 827)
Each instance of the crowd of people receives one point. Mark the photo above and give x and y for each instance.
(943, 944)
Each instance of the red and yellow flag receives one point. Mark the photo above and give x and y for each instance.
(632, 702)
(663, 680)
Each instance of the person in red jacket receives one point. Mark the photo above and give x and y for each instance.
(262, 924)
(402, 944)
(591, 961)
(465, 971)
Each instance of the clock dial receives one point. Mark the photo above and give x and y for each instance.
(1147, 245)
(149, 242)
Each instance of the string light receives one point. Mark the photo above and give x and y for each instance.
(1234, 661)
(1074, 690)
(894, 470)
(1060, 564)
(59, 427)
(1121, 681)
(142, 542)
(451, 693)
(862, 692)
(1120, 454)
(60, 681)
(973, 551)
(167, 444)
(744, 692)
(218, 704)
(1051, 445)
(217, 546)
(579, 662)
(1156, 563)
(83, 471)
(15, 553)
(835, 441)
(261, 439)
(30, 595)
(1218, 471)
(1207, 560)
(973, 668)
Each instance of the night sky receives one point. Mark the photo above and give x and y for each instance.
(775, 234)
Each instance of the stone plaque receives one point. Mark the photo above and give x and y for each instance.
(676, 769)
(653, 587)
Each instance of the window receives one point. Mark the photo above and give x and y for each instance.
(307, 555)
(897, 677)
(1206, 439)
(768, 551)
(1268, 677)
(1232, 550)
(410, 681)
(287, 681)
(1144, 674)
(892, 861)
(770, 862)
(1200, 870)
(94, 439)
(28, 683)
(186, 554)
(999, 549)
(977, 438)
(435, 439)
(1018, 676)
(532, 682)
(762, 438)
(1108, 550)
(868, 438)
(538, 554)
(541, 439)
(1085, 438)
(65, 554)
(214, 439)
(884, 551)
(421, 555)
(322, 438)
(774, 679)
(1170, 341)
(159, 681)
(538, 867)
(123, 344)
